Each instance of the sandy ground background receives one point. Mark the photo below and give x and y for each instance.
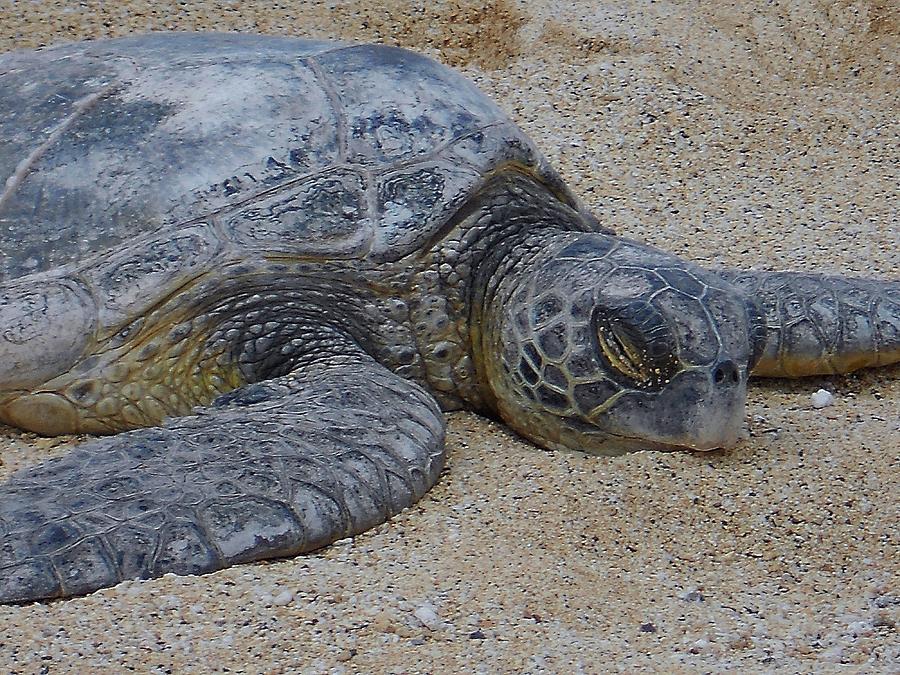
(754, 134)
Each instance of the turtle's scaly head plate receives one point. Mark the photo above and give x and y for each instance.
(604, 345)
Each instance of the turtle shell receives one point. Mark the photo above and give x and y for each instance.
(281, 145)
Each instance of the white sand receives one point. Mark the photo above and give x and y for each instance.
(746, 135)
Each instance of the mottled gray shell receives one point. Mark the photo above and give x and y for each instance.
(266, 144)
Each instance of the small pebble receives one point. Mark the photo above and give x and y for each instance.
(699, 646)
(428, 616)
(860, 628)
(822, 398)
(692, 596)
(283, 598)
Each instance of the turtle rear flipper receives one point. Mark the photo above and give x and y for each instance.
(822, 325)
(272, 469)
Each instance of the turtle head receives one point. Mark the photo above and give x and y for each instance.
(599, 344)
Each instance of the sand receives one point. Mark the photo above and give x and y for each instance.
(751, 135)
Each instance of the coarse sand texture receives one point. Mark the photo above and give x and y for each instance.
(748, 135)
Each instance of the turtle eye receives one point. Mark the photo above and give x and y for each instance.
(619, 351)
(635, 342)
(126, 333)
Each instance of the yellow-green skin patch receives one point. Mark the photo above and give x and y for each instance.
(149, 378)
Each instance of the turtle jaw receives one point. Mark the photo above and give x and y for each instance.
(694, 414)
(700, 408)
(614, 446)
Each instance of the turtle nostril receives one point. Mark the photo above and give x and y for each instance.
(726, 373)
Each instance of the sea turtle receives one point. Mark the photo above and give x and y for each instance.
(266, 264)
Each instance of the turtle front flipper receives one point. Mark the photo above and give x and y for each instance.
(822, 325)
(272, 469)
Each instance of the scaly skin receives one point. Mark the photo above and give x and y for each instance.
(347, 239)
(579, 340)
(274, 469)
(823, 325)
(604, 345)
(239, 323)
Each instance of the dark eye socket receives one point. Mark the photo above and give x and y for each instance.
(636, 344)
(126, 333)
(620, 351)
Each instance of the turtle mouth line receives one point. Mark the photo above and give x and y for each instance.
(643, 443)
(593, 441)
(585, 437)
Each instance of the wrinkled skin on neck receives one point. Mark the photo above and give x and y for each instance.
(604, 345)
